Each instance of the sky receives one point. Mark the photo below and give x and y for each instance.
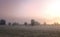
(25, 10)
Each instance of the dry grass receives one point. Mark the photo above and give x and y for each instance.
(9, 32)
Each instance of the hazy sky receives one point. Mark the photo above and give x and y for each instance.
(23, 10)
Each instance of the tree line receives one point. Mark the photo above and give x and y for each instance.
(33, 22)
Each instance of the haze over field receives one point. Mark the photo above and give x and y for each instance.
(25, 10)
(24, 18)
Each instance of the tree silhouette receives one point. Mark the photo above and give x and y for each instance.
(37, 23)
(44, 23)
(32, 22)
(56, 23)
(9, 24)
(25, 23)
(2, 22)
(15, 23)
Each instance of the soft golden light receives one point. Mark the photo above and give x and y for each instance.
(54, 9)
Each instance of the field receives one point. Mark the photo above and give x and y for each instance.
(29, 31)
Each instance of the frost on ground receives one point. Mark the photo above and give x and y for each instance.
(29, 31)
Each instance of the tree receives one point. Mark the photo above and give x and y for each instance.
(9, 24)
(44, 23)
(32, 22)
(37, 23)
(2, 22)
(56, 23)
(15, 23)
(25, 23)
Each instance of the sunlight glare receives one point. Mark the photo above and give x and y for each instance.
(54, 9)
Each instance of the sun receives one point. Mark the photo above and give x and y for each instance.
(53, 9)
(53, 12)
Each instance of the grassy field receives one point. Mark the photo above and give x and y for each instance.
(14, 32)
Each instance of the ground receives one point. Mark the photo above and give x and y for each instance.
(30, 31)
